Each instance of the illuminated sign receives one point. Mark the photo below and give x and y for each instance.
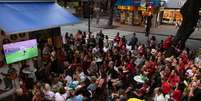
(175, 3)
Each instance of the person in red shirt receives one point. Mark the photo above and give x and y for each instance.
(184, 57)
(166, 87)
(176, 96)
(141, 49)
(131, 68)
(174, 79)
(144, 89)
(117, 38)
(181, 66)
(121, 43)
(167, 42)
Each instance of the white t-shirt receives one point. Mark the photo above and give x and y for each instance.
(95, 50)
(105, 49)
(197, 61)
(68, 79)
(49, 95)
(159, 98)
(61, 97)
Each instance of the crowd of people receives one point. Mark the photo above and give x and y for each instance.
(93, 68)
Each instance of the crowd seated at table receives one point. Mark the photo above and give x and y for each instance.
(93, 68)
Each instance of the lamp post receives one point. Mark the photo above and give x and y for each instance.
(89, 16)
(146, 20)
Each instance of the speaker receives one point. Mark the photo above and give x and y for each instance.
(22, 35)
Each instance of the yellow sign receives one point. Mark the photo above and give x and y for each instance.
(142, 8)
(129, 8)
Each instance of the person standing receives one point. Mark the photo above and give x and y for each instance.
(148, 25)
(9, 76)
(101, 40)
(134, 41)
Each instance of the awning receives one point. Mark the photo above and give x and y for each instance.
(124, 3)
(26, 17)
(155, 3)
(128, 3)
(119, 2)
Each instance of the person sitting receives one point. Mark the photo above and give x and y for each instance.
(49, 95)
(158, 95)
(140, 93)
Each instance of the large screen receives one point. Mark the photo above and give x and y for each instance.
(19, 51)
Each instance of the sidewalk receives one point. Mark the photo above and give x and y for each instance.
(127, 31)
(161, 30)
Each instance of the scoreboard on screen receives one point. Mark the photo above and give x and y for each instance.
(27, 0)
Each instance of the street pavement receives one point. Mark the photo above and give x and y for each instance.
(160, 32)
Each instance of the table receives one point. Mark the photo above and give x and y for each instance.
(139, 78)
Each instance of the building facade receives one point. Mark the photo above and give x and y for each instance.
(171, 11)
(134, 12)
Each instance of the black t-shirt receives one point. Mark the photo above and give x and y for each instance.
(116, 58)
(197, 95)
(114, 74)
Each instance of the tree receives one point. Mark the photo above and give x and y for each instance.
(190, 13)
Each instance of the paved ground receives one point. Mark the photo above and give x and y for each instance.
(161, 32)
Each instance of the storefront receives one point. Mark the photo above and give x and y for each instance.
(133, 11)
(171, 16)
(32, 19)
(126, 14)
(171, 12)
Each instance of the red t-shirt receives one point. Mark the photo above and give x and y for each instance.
(166, 87)
(131, 68)
(177, 95)
(184, 58)
(167, 42)
(151, 67)
(181, 67)
(174, 79)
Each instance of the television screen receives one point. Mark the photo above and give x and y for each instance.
(19, 51)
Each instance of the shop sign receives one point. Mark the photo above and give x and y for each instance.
(122, 7)
(131, 8)
(142, 8)
(174, 3)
